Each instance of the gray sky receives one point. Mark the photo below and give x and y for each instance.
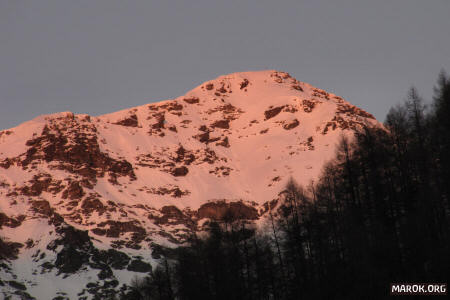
(97, 57)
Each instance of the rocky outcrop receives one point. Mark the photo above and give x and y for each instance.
(92, 204)
(74, 253)
(244, 84)
(139, 266)
(10, 222)
(280, 77)
(297, 87)
(291, 124)
(71, 145)
(228, 111)
(171, 190)
(223, 211)
(192, 100)
(130, 121)
(350, 110)
(172, 215)
(224, 143)
(308, 105)
(73, 191)
(41, 182)
(115, 229)
(9, 250)
(180, 171)
(223, 124)
(272, 112)
(117, 260)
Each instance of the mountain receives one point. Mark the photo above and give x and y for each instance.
(87, 203)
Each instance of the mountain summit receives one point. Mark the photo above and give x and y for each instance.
(84, 200)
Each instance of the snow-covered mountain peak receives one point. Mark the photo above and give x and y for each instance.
(149, 175)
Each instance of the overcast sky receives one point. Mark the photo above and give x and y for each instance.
(98, 56)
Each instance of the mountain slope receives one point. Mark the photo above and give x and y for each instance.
(76, 185)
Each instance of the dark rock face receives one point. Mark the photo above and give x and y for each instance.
(185, 156)
(202, 137)
(279, 76)
(224, 143)
(117, 228)
(73, 145)
(10, 222)
(321, 94)
(76, 248)
(224, 124)
(111, 257)
(222, 89)
(176, 192)
(270, 113)
(171, 212)
(308, 105)
(350, 110)
(160, 121)
(41, 182)
(6, 163)
(294, 123)
(91, 204)
(221, 171)
(69, 260)
(173, 216)
(171, 106)
(78, 251)
(229, 112)
(180, 171)
(9, 250)
(175, 162)
(106, 272)
(72, 237)
(244, 84)
(139, 266)
(158, 113)
(223, 211)
(17, 285)
(347, 117)
(42, 207)
(73, 191)
(5, 132)
(297, 87)
(130, 121)
(191, 100)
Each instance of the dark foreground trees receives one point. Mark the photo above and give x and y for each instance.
(379, 214)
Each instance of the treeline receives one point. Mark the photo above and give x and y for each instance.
(379, 214)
